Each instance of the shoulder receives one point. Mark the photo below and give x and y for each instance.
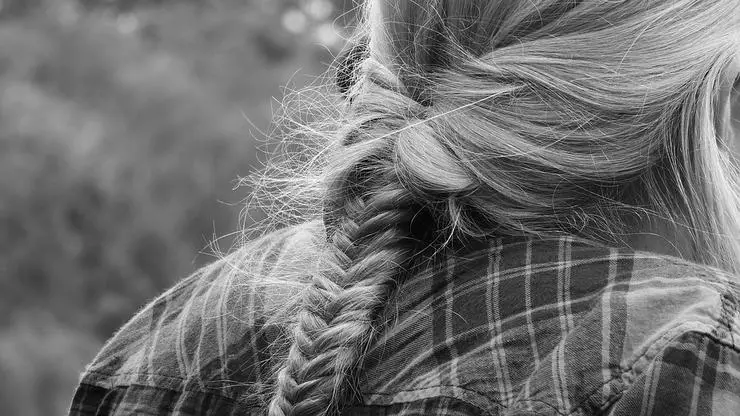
(657, 324)
(549, 327)
(658, 332)
(680, 352)
(203, 342)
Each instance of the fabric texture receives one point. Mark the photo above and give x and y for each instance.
(513, 327)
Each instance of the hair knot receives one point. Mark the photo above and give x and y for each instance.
(424, 165)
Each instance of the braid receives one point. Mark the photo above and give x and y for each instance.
(341, 308)
(371, 248)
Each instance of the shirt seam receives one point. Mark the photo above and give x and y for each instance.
(111, 381)
(420, 399)
(477, 394)
(148, 386)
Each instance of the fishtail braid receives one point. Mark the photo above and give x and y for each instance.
(373, 244)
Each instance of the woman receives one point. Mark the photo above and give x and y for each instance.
(528, 207)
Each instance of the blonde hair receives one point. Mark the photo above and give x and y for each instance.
(497, 118)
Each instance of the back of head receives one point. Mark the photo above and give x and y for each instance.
(470, 119)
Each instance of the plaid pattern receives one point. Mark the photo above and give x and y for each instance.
(517, 327)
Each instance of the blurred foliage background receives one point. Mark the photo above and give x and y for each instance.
(124, 125)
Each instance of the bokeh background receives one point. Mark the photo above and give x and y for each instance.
(124, 126)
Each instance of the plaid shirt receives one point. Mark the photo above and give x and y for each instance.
(517, 327)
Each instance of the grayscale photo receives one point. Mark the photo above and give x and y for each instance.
(370, 207)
